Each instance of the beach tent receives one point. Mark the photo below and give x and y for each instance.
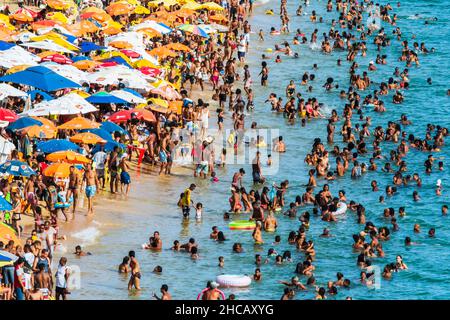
(40, 77)
(69, 104)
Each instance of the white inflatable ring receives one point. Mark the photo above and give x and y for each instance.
(230, 280)
(342, 208)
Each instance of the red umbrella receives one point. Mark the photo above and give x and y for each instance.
(58, 58)
(108, 64)
(8, 115)
(125, 115)
(130, 53)
(153, 72)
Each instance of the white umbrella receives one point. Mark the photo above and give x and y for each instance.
(67, 71)
(153, 25)
(47, 45)
(7, 90)
(119, 74)
(128, 96)
(16, 56)
(24, 36)
(69, 104)
(6, 147)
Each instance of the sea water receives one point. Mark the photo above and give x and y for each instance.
(152, 202)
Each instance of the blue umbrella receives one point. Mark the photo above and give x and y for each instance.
(5, 205)
(16, 168)
(118, 60)
(23, 123)
(108, 147)
(70, 38)
(44, 95)
(56, 145)
(105, 135)
(7, 258)
(80, 58)
(112, 127)
(103, 97)
(5, 45)
(87, 46)
(137, 94)
(40, 77)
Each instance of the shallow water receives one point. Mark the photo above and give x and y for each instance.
(152, 203)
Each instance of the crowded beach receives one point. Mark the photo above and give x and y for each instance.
(92, 91)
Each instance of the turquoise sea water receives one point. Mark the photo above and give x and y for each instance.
(154, 208)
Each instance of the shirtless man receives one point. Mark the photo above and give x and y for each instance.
(92, 184)
(125, 179)
(165, 293)
(31, 195)
(270, 224)
(74, 182)
(43, 281)
(135, 272)
(112, 166)
(212, 293)
(257, 234)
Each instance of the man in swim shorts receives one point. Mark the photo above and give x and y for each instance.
(125, 179)
(92, 184)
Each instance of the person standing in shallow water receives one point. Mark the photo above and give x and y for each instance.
(135, 277)
(92, 184)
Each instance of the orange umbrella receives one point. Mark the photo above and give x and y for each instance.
(83, 27)
(218, 18)
(67, 156)
(177, 47)
(119, 8)
(144, 114)
(46, 122)
(85, 64)
(5, 34)
(93, 10)
(99, 16)
(120, 44)
(58, 170)
(41, 132)
(56, 4)
(87, 137)
(176, 106)
(79, 123)
(162, 52)
(7, 234)
(43, 24)
(111, 31)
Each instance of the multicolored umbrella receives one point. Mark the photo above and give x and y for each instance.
(58, 58)
(16, 168)
(7, 234)
(194, 29)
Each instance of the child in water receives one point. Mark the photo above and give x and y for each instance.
(198, 211)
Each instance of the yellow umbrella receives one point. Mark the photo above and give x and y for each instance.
(4, 21)
(58, 4)
(167, 3)
(57, 16)
(132, 2)
(87, 137)
(7, 234)
(17, 68)
(58, 170)
(67, 156)
(145, 63)
(58, 39)
(212, 6)
(79, 123)
(111, 54)
(93, 10)
(40, 132)
(159, 102)
(119, 8)
(141, 10)
(192, 6)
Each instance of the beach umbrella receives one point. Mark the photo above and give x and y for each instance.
(16, 168)
(58, 58)
(79, 123)
(87, 46)
(177, 47)
(67, 156)
(5, 45)
(40, 77)
(57, 16)
(111, 127)
(162, 52)
(83, 27)
(130, 53)
(6, 258)
(41, 132)
(111, 31)
(16, 56)
(194, 29)
(141, 10)
(150, 24)
(108, 147)
(212, 6)
(5, 205)
(85, 64)
(128, 96)
(160, 102)
(103, 97)
(47, 45)
(23, 123)
(167, 92)
(22, 15)
(8, 115)
(105, 135)
(101, 17)
(125, 115)
(43, 24)
(59, 5)
(7, 234)
(7, 90)
(143, 63)
(144, 115)
(191, 5)
(87, 137)
(218, 18)
(70, 104)
(56, 145)
(58, 170)
(44, 95)
(119, 8)
(120, 44)
(176, 106)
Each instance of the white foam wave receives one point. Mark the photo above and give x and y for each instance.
(87, 236)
